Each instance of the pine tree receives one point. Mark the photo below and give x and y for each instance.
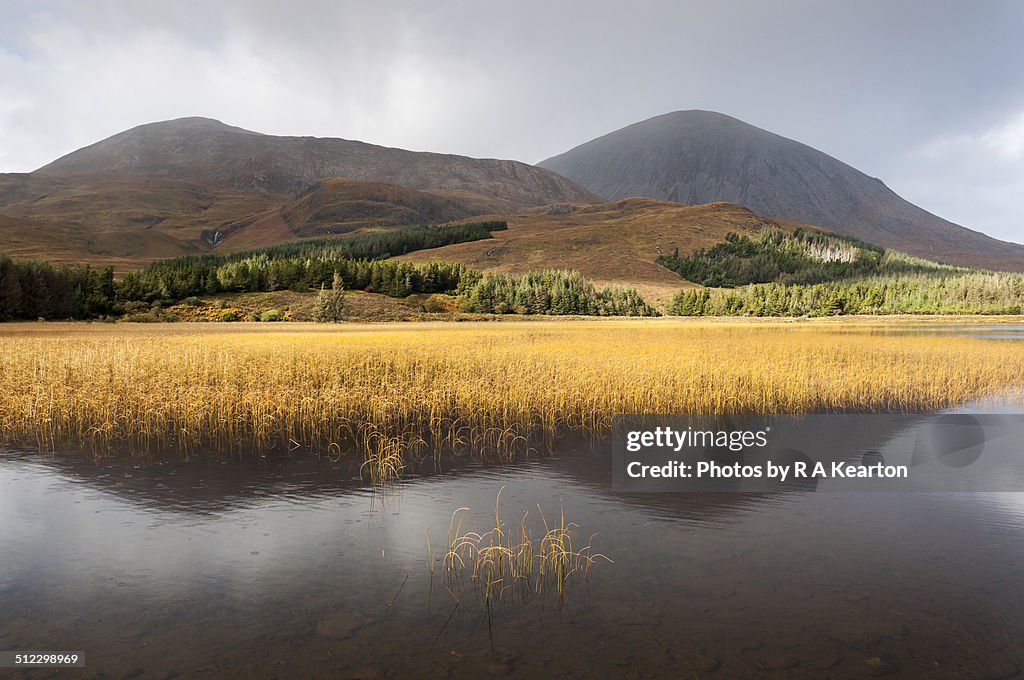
(330, 302)
(10, 290)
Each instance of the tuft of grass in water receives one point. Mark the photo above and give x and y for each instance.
(385, 457)
(507, 559)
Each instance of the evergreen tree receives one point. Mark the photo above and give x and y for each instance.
(549, 292)
(330, 302)
(10, 290)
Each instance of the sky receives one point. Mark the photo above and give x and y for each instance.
(926, 95)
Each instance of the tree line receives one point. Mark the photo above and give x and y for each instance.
(774, 255)
(187, 277)
(33, 290)
(809, 273)
(557, 292)
(303, 265)
(30, 290)
(969, 292)
(379, 245)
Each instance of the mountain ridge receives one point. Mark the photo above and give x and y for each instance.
(205, 149)
(695, 157)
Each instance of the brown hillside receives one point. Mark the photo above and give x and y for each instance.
(194, 185)
(68, 244)
(613, 242)
(119, 221)
(341, 208)
(130, 222)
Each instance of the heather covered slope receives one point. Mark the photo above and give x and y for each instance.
(119, 220)
(697, 157)
(194, 185)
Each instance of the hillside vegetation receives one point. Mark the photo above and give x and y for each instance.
(776, 255)
(122, 222)
(549, 292)
(30, 289)
(816, 274)
(128, 222)
(951, 293)
(538, 263)
(612, 243)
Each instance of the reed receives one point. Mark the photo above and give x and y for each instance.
(504, 559)
(392, 393)
(384, 456)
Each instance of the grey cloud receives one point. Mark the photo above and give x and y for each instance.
(871, 83)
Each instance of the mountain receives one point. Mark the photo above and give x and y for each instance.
(696, 157)
(205, 150)
(191, 185)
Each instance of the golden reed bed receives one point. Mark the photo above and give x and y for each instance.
(384, 391)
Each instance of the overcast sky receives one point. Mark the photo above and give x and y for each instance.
(928, 95)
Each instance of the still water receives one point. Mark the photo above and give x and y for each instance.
(1002, 331)
(290, 567)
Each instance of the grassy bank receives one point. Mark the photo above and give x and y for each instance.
(387, 391)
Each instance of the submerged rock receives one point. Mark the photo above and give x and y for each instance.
(1001, 671)
(338, 626)
(778, 663)
(879, 667)
(707, 664)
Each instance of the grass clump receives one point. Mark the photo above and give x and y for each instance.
(508, 559)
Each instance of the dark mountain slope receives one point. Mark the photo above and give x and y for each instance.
(204, 150)
(696, 157)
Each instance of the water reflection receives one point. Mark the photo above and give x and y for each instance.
(1007, 331)
(291, 567)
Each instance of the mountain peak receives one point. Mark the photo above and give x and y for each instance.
(699, 114)
(696, 157)
(189, 124)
